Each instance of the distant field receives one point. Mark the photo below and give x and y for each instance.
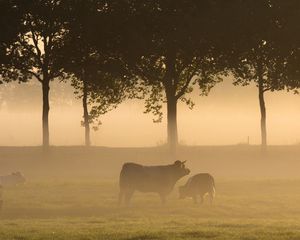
(71, 194)
(87, 210)
(240, 161)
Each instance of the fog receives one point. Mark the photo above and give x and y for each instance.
(74, 190)
(227, 116)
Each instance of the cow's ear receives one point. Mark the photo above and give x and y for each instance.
(177, 163)
(182, 164)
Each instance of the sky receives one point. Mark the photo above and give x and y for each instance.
(227, 116)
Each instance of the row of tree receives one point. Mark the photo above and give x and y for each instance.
(158, 50)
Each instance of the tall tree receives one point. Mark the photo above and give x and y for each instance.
(257, 54)
(170, 46)
(89, 55)
(33, 55)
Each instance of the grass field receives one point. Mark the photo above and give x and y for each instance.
(268, 209)
(71, 194)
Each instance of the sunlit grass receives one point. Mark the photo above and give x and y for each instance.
(268, 209)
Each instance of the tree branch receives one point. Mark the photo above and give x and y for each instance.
(36, 75)
(187, 83)
(142, 74)
(183, 89)
(267, 89)
(39, 54)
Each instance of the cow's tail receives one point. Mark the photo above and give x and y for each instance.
(122, 183)
(122, 178)
(213, 191)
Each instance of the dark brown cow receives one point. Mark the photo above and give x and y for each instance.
(199, 184)
(158, 179)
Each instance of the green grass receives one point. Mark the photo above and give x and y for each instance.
(87, 210)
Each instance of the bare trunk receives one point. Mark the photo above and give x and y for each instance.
(263, 113)
(170, 85)
(174, 91)
(86, 115)
(172, 125)
(46, 108)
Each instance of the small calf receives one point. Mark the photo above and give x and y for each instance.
(199, 184)
(12, 179)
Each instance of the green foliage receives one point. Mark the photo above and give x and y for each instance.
(260, 52)
(171, 46)
(92, 63)
(10, 21)
(35, 51)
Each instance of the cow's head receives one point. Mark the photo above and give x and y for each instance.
(18, 178)
(180, 168)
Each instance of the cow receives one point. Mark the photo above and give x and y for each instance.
(12, 179)
(157, 179)
(199, 184)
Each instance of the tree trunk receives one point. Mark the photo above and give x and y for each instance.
(46, 108)
(170, 89)
(172, 124)
(86, 114)
(263, 113)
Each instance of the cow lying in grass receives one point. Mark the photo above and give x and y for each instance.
(158, 179)
(12, 179)
(199, 184)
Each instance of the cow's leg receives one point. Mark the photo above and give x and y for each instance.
(162, 198)
(128, 196)
(195, 199)
(121, 196)
(201, 198)
(211, 197)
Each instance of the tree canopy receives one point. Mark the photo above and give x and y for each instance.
(160, 50)
(10, 25)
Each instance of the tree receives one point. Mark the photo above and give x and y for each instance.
(33, 54)
(89, 55)
(287, 40)
(257, 54)
(170, 46)
(9, 25)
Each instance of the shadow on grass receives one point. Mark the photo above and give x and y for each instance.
(199, 235)
(42, 213)
(144, 237)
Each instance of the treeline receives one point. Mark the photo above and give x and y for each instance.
(158, 50)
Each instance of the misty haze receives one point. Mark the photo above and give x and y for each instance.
(149, 120)
(227, 116)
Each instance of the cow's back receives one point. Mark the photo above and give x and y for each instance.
(146, 178)
(130, 174)
(202, 182)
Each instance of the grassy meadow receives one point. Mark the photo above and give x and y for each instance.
(61, 201)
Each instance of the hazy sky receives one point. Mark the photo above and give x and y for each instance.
(227, 116)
